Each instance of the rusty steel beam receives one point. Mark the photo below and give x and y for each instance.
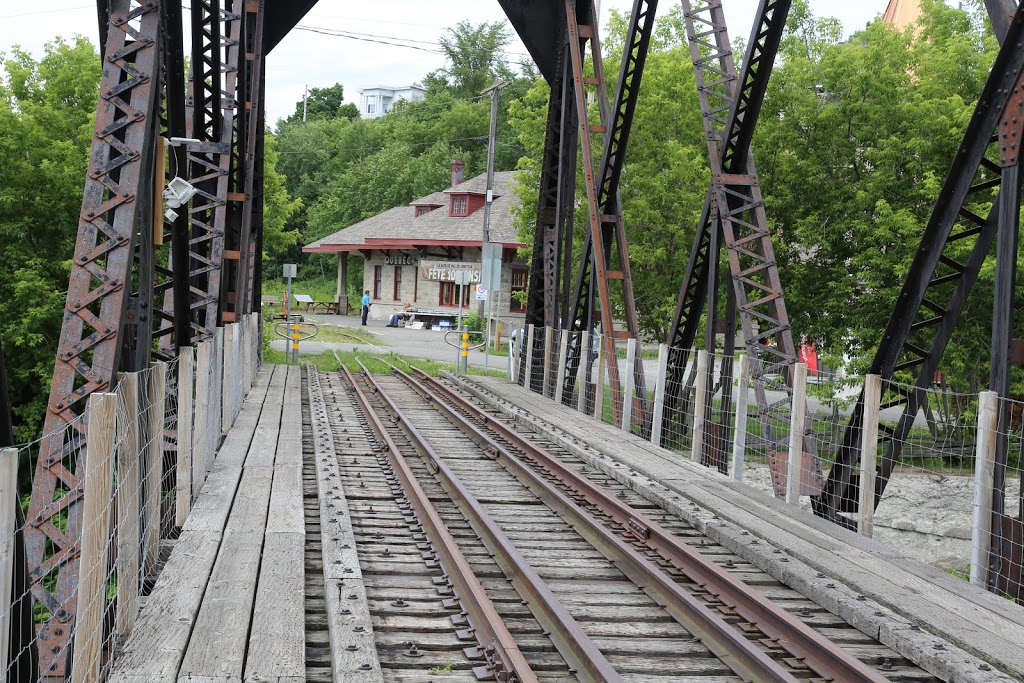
(734, 216)
(618, 117)
(91, 333)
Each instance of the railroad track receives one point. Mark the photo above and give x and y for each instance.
(485, 552)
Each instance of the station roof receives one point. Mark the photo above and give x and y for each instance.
(401, 228)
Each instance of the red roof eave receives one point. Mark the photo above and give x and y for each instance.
(381, 243)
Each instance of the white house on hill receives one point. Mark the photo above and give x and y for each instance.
(377, 100)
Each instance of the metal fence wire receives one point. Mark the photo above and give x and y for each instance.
(137, 475)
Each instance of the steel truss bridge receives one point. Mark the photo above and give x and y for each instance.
(142, 287)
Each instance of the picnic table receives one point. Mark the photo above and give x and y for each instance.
(317, 306)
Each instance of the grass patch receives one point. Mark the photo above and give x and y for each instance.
(342, 334)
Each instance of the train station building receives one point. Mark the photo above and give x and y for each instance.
(412, 253)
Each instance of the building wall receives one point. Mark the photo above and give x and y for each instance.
(426, 294)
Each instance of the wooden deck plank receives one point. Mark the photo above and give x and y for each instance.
(156, 647)
(217, 649)
(277, 643)
(286, 512)
(217, 646)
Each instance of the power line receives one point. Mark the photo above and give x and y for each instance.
(47, 11)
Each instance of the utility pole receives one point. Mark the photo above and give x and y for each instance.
(305, 99)
(495, 91)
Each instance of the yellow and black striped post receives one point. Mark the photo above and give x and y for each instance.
(295, 343)
(465, 349)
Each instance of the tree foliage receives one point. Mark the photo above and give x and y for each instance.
(46, 113)
(324, 104)
(475, 59)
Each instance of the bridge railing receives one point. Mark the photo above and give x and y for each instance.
(140, 455)
(941, 487)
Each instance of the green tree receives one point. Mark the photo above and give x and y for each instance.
(46, 113)
(853, 145)
(475, 58)
(278, 206)
(324, 104)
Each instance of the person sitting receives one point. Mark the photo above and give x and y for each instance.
(402, 315)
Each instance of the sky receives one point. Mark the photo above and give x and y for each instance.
(306, 57)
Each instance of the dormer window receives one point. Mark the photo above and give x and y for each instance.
(421, 210)
(459, 205)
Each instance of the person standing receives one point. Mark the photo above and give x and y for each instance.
(366, 304)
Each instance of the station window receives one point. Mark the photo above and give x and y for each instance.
(449, 295)
(459, 205)
(378, 276)
(519, 280)
(398, 282)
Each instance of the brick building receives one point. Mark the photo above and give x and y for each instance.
(412, 252)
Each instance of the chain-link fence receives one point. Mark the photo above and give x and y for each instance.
(75, 567)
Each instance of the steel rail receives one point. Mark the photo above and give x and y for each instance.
(569, 639)
(480, 611)
(805, 644)
(728, 644)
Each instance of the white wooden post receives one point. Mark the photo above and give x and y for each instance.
(629, 386)
(227, 402)
(218, 389)
(154, 472)
(984, 483)
(129, 492)
(563, 354)
(582, 377)
(599, 383)
(200, 436)
(516, 351)
(700, 400)
(869, 453)
(238, 371)
(8, 527)
(739, 444)
(92, 571)
(183, 491)
(247, 350)
(549, 335)
(797, 420)
(528, 340)
(659, 394)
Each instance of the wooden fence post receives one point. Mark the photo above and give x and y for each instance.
(659, 394)
(227, 402)
(218, 390)
(549, 338)
(700, 399)
(200, 436)
(154, 472)
(797, 420)
(582, 377)
(129, 492)
(528, 377)
(869, 453)
(8, 527)
(629, 386)
(92, 576)
(599, 384)
(183, 492)
(739, 444)
(563, 354)
(984, 482)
